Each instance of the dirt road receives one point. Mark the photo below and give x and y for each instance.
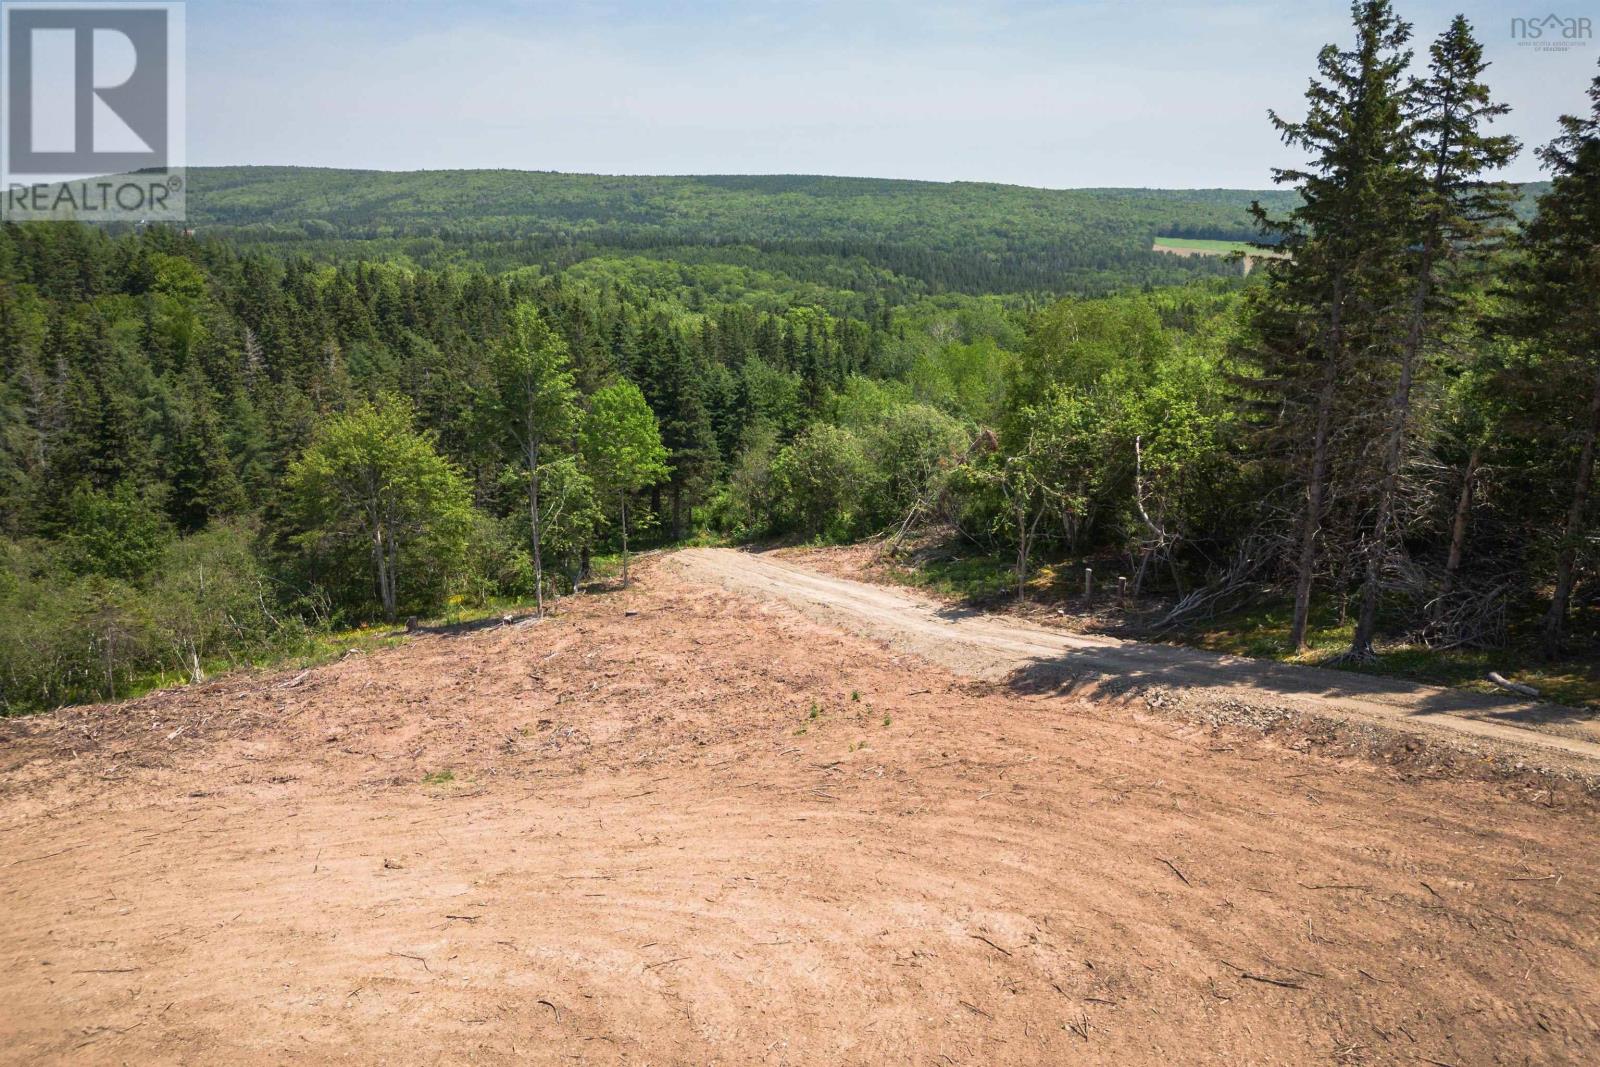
(1033, 657)
(675, 825)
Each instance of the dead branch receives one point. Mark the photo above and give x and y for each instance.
(419, 959)
(1180, 874)
(1514, 687)
(991, 944)
(1266, 979)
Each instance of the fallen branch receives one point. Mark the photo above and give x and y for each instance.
(419, 959)
(663, 963)
(991, 944)
(1514, 687)
(1332, 885)
(108, 970)
(1265, 979)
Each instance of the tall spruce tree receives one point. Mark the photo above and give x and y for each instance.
(1347, 243)
(1554, 301)
(674, 385)
(1459, 217)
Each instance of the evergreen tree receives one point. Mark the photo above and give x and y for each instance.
(1458, 216)
(205, 485)
(675, 386)
(1554, 294)
(1346, 242)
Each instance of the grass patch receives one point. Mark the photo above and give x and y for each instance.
(1263, 633)
(973, 578)
(444, 777)
(990, 578)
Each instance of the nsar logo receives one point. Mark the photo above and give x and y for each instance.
(1553, 33)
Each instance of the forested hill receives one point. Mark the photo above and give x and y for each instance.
(961, 236)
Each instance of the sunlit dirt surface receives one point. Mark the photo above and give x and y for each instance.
(682, 825)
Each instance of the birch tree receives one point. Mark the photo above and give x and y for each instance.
(534, 405)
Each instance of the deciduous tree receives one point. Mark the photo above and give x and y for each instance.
(534, 404)
(622, 448)
(369, 475)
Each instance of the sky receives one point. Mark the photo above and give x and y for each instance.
(1061, 94)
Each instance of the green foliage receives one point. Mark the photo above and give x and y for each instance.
(211, 599)
(534, 398)
(965, 379)
(117, 534)
(205, 602)
(819, 482)
(749, 501)
(1116, 431)
(571, 517)
(621, 440)
(1084, 345)
(534, 404)
(622, 449)
(910, 448)
(370, 480)
(495, 561)
(1554, 301)
(862, 233)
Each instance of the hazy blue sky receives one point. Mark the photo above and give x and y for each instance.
(1054, 94)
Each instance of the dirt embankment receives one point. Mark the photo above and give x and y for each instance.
(721, 831)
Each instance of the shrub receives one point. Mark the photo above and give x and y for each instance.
(819, 481)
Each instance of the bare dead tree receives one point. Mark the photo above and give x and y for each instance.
(1255, 555)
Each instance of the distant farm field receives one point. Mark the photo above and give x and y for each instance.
(1203, 247)
(1185, 247)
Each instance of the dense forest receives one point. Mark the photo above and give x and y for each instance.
(924, 237)
(343, 396)
(900, 239)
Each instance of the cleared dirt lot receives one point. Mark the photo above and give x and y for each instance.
(720, 831)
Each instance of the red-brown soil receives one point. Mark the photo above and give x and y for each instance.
(685, 826)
